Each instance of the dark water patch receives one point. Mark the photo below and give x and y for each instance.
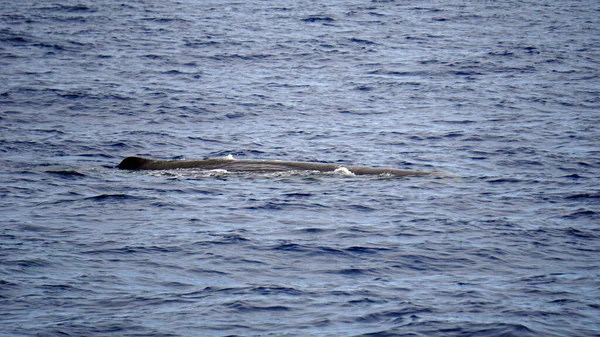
(34, 228)
(495, 255)
(439, 328)
(172, 72)
(324, 252)
(249, 57)
(585, 164)
(298, 195)
(457, 122)
(120, 145)
(314, 230)
(205, 139)
(201, 43)
(126, 250)
(467, 73)
(432, 263)
(503, 53)
(542, 279)
(235, 115)
(126, 327)
(91, 95)
(67, 173)
(563, 301)
(149, 301)
(28, 263)
(364, 301)
(579, 233)
(574, 176)
(112, 197)
(366, 250)
(583, 214)
(453, 135)
(68, 8)
(7, 284)
(400, 73)
(270, 206)
(206, 272)
(284, 205)
(241, 306)
(361, 41)
(276, 290)
(177, 285)
(13, 38)
(164, 20)
(50, 288)
(227, 239)
(198, 294)
(290, 247)
(74, 95)
(364, 88)
(321, 19)
(584, 196)
(503, 180)
(408, 313)
(362, 208)
(354, 272)
(499, 329)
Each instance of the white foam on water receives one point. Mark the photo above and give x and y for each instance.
(344, 171)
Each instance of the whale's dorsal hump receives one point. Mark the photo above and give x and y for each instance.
(133, 163)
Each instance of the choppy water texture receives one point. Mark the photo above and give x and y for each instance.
(502, 95)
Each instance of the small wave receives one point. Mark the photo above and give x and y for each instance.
(433, 328)
(504, 181)
(206, 272)
(134, 250)
(298, 195)
(361, 41)
(580, 233)
(354, 271)
(313, 230)
(71, 9)
(110, 197)
(361, 208)
(365, 250)
(573, 176)
(276, 290)
(205, 139)
(67, 173)
(316, 18)
(57, 287)
(164, 20)
(289, 246)
(224, 240)
(29, 263)
(582, 213)
(246, 306)
(250, 57)
(394, 316)
(583, 196)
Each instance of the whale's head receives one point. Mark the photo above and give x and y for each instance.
(133, 163)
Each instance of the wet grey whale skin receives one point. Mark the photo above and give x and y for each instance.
(244, 165)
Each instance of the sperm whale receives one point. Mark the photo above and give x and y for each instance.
(245, 165)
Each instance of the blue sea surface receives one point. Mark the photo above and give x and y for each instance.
(501, 97)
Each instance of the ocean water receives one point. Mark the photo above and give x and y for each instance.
(503, 97)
